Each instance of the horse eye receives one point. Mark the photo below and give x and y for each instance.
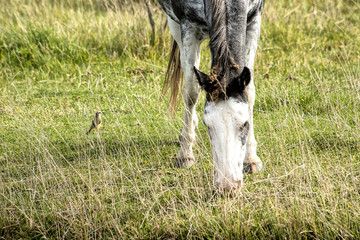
(244, 132)
(245, 127)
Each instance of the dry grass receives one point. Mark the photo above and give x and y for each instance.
(61, 62)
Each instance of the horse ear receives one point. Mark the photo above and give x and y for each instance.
(244, 78)
(201, 77)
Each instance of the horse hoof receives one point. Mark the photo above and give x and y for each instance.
(252, 167)
(184, 162)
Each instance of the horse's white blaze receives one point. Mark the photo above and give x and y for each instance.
(225, 121)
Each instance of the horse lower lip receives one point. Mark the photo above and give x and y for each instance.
(230, 186)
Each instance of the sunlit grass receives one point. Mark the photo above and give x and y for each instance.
(63, 61)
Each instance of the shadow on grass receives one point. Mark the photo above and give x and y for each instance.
(132, 148)
(334, 142)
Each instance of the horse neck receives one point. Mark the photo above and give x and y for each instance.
(236, 29)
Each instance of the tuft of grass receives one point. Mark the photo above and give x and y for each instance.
(63, 61)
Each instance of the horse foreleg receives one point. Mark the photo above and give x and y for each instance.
(190, 57)
(252, 162)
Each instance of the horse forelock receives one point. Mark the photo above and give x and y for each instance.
(217, 91)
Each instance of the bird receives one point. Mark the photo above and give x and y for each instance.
(96, 123)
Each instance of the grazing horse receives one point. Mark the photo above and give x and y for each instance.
(233, 27)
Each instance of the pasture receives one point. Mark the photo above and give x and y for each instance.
(61, 61)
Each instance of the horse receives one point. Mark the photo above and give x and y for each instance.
(233, 27)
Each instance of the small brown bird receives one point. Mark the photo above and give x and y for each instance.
(96, 123)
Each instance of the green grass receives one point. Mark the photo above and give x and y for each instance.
(61, 62)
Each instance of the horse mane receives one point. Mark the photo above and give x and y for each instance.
(222, 60)
(219, 46)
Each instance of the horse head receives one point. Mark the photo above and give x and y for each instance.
(227, 117)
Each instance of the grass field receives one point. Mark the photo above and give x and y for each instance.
(61, 61)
